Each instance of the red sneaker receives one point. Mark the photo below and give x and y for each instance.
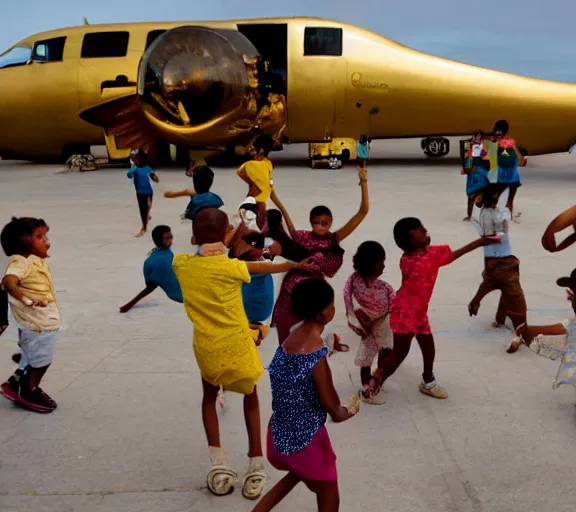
(37, 401)
(10, 389)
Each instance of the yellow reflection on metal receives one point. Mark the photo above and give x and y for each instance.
(377, 87)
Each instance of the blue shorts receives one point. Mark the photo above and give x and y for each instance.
(37, 348)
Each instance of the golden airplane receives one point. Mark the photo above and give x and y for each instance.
(216, 85)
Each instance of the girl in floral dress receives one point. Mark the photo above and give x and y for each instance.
(367, 300)
(420, 265)
(303, 395)
(326, 254)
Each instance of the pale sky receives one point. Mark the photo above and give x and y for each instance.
(530, 37)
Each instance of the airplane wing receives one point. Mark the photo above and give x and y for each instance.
(123, 119)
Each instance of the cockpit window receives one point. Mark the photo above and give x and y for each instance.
(17, 56)
(49, 50)
(152, 36)
(323, 41)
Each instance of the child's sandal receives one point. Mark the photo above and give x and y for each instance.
(255, 479)
(516, 340)
(221, 479)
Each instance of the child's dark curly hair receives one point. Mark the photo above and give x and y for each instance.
(202, 178)
(13, 233)
(265, 143)
(402, 230)
(367, 256)
(310, 297)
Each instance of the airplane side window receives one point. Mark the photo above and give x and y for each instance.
(152, 36)
(105, 44)
(323, 41)
(50, 50)
(17, 56)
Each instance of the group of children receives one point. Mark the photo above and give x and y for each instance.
(214, 284)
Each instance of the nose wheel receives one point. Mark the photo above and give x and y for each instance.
(435, 147)
(335, 163)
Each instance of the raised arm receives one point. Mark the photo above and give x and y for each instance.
(289, 223)
(179, 193)
(566, 219)
(356, 220)
(329, 398)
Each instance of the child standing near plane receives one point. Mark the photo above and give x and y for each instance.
(141, 173)
(257, 173)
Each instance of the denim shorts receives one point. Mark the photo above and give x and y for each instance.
(37, 348)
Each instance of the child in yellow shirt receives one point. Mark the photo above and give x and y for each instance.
(224, 347)
(33, 301)
(258, 174)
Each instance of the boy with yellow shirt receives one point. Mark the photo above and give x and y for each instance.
(224, 347)
(33, 301)
(258, 174)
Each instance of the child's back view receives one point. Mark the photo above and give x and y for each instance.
(200, 195)
(224, 345)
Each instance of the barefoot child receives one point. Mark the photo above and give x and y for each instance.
(158, 271)
(302, 395)
(33, 301)
(141, 173)
(556, 341)
(501, 268)
(224, 346)
(200, 195)
(419, 265)
(257, 173)
(367, 299)
(325, 250)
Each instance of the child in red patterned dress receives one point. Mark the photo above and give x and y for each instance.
(419, 265)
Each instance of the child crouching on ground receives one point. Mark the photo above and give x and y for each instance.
(224, 346)
(368, 299)
(33, 301)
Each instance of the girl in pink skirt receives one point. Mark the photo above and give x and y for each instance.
(302, 395)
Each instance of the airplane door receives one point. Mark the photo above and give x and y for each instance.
(107, 68)
(316, 84)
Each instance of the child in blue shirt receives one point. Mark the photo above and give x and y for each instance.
(141, 173)
(158, 271)
(200, 195)
(363, 150)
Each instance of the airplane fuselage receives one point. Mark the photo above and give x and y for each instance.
(340, 81)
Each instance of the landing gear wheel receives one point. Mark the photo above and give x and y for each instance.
(335, 163)
(435, 147)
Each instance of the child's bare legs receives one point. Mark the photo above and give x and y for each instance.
(277, 493)
(146, 291)
(389, 364)
(252, 418)
(327, 495)
(426, 342)
(365, 375)
(209, 415)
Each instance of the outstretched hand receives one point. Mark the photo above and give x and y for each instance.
(307, 266)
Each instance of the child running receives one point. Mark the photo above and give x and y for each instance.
(224, 345)
(33, 301)
(302, 395)
(324, 248)
(158, 271)
(257, 173)
(419, 265)
(556, 341)
(501, 268)
(141, 173)
(368, 299)
(200, 195)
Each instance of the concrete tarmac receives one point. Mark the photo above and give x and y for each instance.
(127, 434)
